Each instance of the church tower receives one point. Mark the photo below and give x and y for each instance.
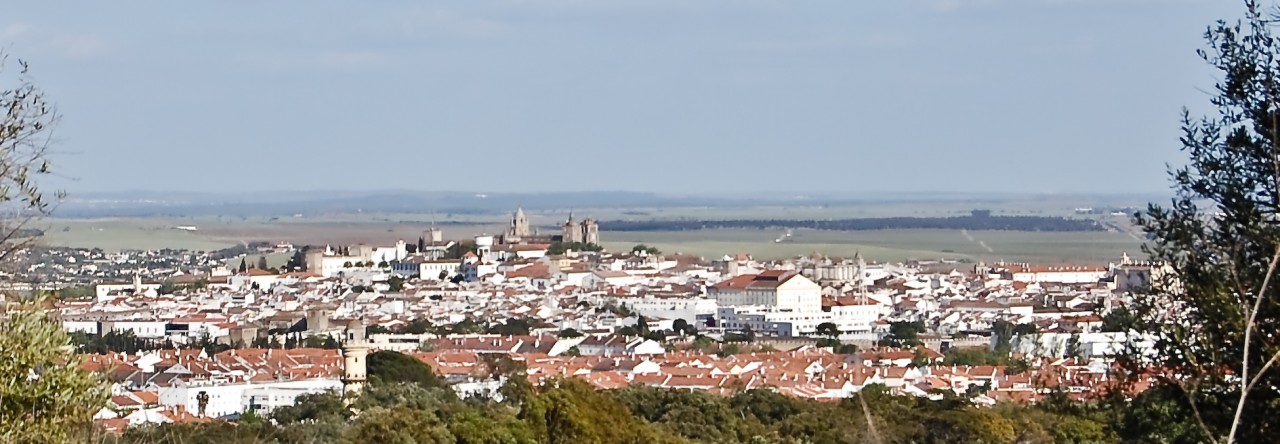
(355, 353)
(571, 232)
(590, 231)
(519, 227)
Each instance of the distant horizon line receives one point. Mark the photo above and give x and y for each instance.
(739, 194)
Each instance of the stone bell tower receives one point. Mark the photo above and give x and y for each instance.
(355, 353)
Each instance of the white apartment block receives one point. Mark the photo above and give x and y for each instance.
(781, 290)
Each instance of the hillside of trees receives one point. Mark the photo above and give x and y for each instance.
(406, 403)
(972, 222)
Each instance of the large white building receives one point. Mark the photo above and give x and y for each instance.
(853, 321)
(781, 290)
(1057, 274)
(222, 399)
(689, 309)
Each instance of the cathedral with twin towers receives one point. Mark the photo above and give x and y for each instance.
(587, 231)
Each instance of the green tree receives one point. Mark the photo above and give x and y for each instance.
(570, 333)
(319, 407)
(45, 395)
(262, 263)
(974, 356)
(681, 326)
(1119, 320)
(418, 326)
(904, 333)
(297, 262)
(396, 282)
(645, 249)
(559, 248)
(828, 329)
(970, 426)
(386, 366)
(1220, 238)
(512, 327)
(489, 427)
(400, 425)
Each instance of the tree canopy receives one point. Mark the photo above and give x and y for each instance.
(45, 395)
(1213, 317)
(386, 366)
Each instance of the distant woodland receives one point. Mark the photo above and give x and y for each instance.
(979, 221)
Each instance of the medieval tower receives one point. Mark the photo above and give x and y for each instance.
(355, 353)
(519, 228)
(587, 231)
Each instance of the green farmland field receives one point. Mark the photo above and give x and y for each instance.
(216, 232)
(890, 245)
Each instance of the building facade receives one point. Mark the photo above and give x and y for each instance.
(777, 289)
(587, 231)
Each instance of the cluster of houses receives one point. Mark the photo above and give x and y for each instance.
(609, 301)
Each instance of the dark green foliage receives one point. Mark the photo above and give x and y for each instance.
(319, 341)
(904, 334)
(396, 282)
(1119, 320)
(571, 411)
(323, 407)
(975, 356)
(467, 326)
(836, 346)
(1220, 238)
(570, 333)
(682, 326)
(297, 262)
(209, 433)
(112, 342)
(391, 367)
(512, 327)
(398, 425)
(559, 248)
(642, 248)
(1005, 331)
(78, 292)
(418, 326)
(828, 329)
(972, 222)
(1162, 414)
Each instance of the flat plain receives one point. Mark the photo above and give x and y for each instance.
(215, 232)
(891, 245)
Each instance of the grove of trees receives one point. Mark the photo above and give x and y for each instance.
(1004, 223)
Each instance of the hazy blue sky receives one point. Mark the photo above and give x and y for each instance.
(694, 96)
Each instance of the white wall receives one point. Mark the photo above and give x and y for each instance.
(670, 308)
(226, 399)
